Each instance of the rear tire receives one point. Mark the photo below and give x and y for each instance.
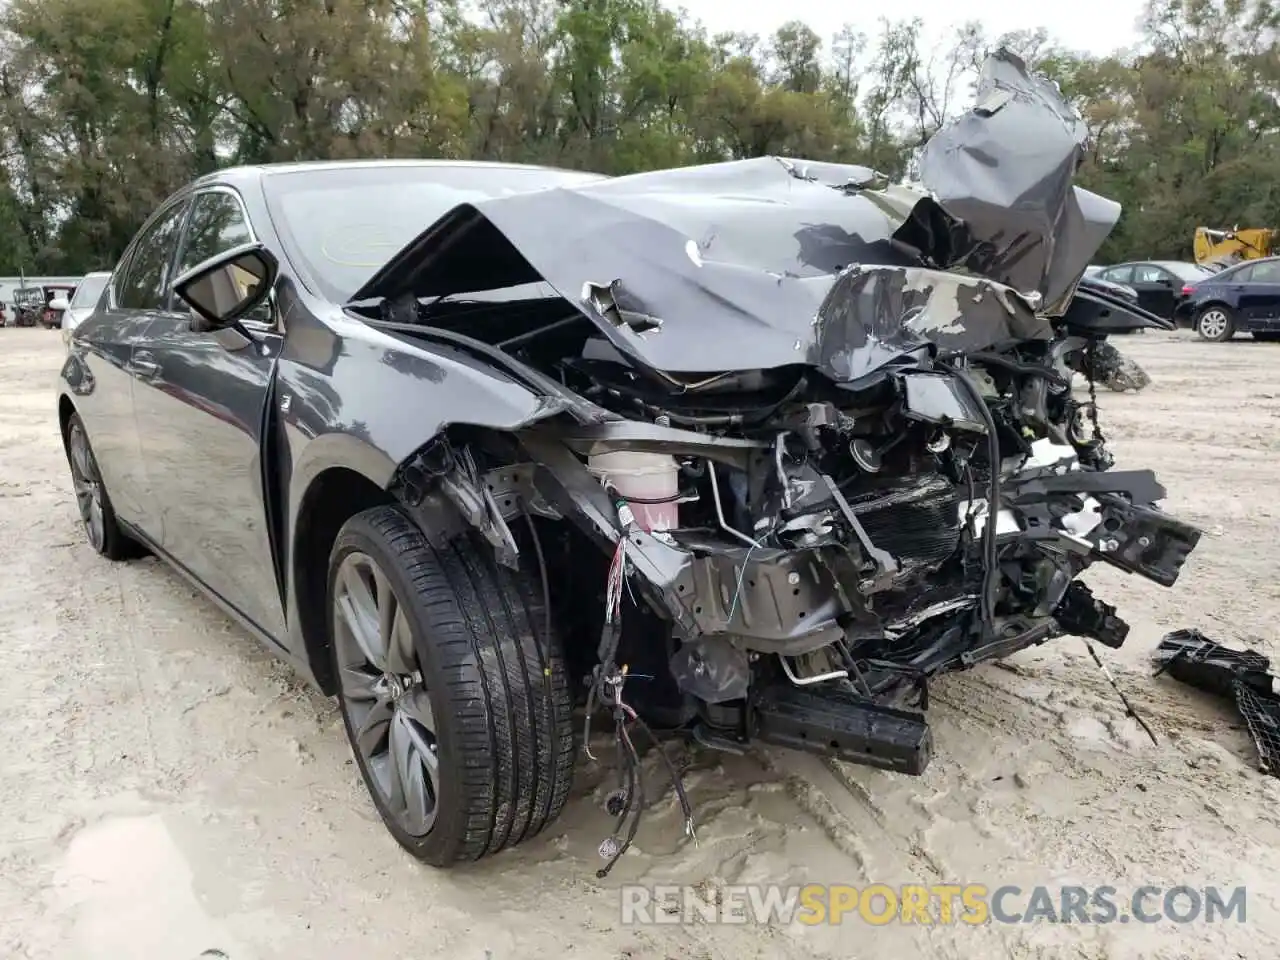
(96, 513)
(475, 724)
(1216, 323)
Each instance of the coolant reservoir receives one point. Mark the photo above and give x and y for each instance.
(649, 482)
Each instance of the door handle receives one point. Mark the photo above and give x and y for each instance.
(144, 365)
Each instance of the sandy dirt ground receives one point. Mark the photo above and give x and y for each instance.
(171, 792)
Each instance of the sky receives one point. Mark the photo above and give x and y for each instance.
(1093, 26)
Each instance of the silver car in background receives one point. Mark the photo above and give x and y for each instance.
(82, 303)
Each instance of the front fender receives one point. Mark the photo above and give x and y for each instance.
(353, 399)
(381, 398)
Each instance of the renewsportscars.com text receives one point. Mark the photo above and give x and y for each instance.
(971, 904)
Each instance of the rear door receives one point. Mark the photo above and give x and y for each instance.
(1155, 288)
(1259, 293)
(201, 415)
(107, 346)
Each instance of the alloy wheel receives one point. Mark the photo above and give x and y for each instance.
(388, 709)
(1213, 324)
(88, 487)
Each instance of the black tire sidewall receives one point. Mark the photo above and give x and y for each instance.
(440, 846)
(113, 538)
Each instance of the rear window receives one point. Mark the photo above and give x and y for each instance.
(341, 224)
(1188, 272)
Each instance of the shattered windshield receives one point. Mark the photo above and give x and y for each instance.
(340, 224)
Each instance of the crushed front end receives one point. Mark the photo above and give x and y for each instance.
(791, 559)
(834, 549)
(790, 468)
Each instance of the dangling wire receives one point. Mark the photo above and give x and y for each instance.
(607, 690)
(615, 581)
(610, 634)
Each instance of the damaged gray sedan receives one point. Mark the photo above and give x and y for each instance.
(747, 452)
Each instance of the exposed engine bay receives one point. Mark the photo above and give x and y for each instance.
(771, 498)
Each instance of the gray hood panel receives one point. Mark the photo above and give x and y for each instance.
(762, 263)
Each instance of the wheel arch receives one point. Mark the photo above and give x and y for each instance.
(66, 410)
(331, 498)
(339, 460)
(1210, 304)
(347, 476)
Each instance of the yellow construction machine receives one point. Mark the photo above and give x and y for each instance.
(1217, 249)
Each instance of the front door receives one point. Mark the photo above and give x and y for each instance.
(201, 416)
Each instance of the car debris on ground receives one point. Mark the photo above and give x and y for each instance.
(1242, 676)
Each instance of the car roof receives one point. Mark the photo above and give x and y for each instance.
(1155, 263)
(1240, 265)
(247, 175)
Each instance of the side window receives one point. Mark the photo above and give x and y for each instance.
(1268, 272)
(1243, 275)
(1119, 275)
(217, 224)
(145, 283)
(1147, 274)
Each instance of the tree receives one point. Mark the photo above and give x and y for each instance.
(106, 106)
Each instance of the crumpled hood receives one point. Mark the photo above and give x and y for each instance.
(767, 262)
(1005, 169)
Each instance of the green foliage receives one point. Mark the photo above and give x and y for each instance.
(108, 105)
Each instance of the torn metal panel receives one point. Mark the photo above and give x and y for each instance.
(1100, 311)
(875, 316)
(439, 477)
(1005, 168)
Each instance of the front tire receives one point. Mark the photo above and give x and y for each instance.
(96, 513)
(1216, 323)
(455, 701)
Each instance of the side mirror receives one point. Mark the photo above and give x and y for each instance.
(59, 303)
(222, 290)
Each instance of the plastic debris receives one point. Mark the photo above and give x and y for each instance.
(1244, 676)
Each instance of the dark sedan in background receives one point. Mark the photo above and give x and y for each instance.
(1160, 284)
(1244, 298)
